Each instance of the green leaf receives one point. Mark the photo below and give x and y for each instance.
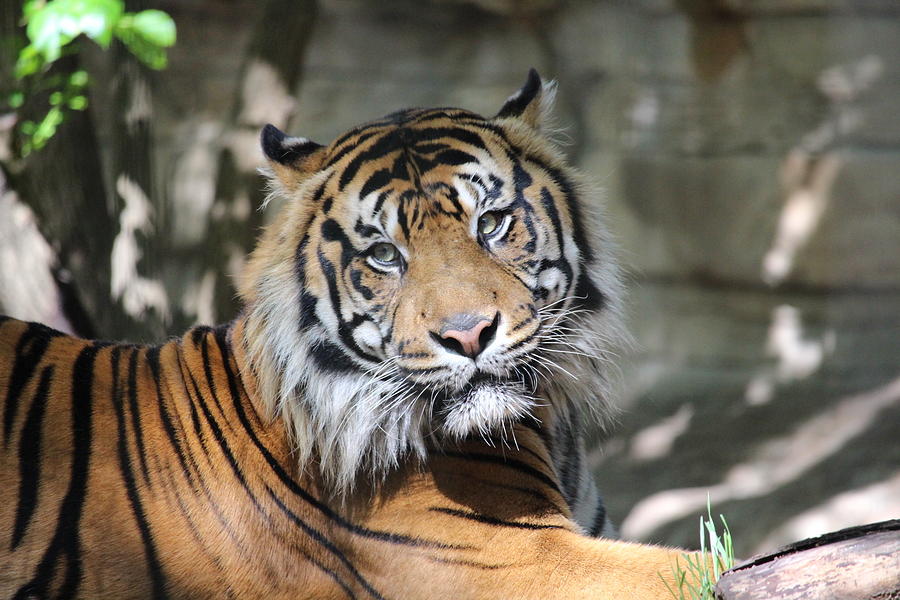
(51, 26)
(47, 127)
(28, 63)
(45, 30)
(78, 78)
(29, 7)
(155, 26)
(78, 103)
(151, 55)
(60, 21)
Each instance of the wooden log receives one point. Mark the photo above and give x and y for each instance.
(854, 563)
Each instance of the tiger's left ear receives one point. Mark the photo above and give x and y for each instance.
(532, 103)
(292, 159)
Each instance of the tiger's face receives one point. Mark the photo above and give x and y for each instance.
(422, 281)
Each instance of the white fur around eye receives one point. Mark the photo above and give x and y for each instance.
(368, 337)
(552, 279)
(469, 194)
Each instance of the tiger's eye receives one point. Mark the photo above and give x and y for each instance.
(385, 253)
(489, 223)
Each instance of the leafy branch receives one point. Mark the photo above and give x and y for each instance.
(51, 27)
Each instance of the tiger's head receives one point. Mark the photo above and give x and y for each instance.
(432, 275)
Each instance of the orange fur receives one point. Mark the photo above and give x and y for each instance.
(216, 533)
(329, 442)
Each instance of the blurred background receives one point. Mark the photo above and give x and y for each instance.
(748, 152)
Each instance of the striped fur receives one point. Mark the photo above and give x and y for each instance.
(334, 441)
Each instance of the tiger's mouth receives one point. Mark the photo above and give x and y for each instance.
(485, 403)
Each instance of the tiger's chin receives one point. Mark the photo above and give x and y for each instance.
(483, 408)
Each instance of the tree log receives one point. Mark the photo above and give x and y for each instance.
(859, 562)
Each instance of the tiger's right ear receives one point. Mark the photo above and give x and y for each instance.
(532, 104)
(292, 159)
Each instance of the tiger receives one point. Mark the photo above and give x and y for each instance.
(397, 411)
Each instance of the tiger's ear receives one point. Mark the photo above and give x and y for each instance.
(532, 103)
(292, 159)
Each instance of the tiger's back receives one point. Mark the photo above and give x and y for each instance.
(59, 411)
(138, 471)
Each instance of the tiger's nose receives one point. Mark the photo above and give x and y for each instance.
(467, 334)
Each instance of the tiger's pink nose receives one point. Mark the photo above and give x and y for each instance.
(467, 334)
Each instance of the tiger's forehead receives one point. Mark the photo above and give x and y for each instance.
(409, 145)
(412, 126)
(413, 166)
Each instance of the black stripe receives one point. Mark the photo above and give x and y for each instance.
(198, 332)
(398, 139)
(136, 416)
(317, 195)
(65, 542)
(534, 425)
(359, 286)
(334, 576)
(454, 157)
(488, 520)
(29, 351)
(157, 577)
(461, 134)
(330, 358)
(521, 324)
(327, 544)
(538, 496)
(376, 180)
(452, 196)
(294, 487)
(587, 294)
(379, 202)
(599, 520)
(549, 205)
(568, 465)
(511, 463)
(521, 342)
(385, 145)
(492, 128)
(168, 425)
(593, 298)
(331, 276)
(538, 457)
(300, 259)
(30, 458)
(365, 230)
(522, 180)
(308, 316)
(356, 131)
(207, 372)
(223, 445)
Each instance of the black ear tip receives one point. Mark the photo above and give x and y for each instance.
(271, 139)
(518, 102)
